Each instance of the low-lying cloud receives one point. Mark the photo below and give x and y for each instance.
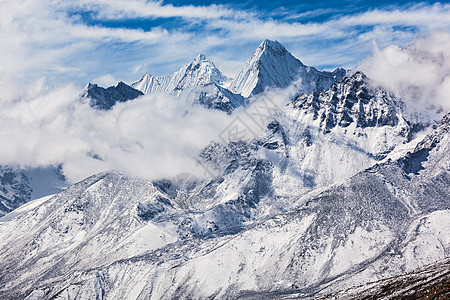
(418, 73)
(154, 136)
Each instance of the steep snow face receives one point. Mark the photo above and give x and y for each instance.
(323, 138)
(198, 82)
(271, 65)
(201, 71)
(116, 237)
(105, 99)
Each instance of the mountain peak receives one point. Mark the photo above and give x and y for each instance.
(200, 71)
(272, 45)
(105, 99)
(272, 66)
(201, 57)
(202, 60)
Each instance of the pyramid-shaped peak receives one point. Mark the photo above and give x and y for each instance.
(272, 45)
(201, 58)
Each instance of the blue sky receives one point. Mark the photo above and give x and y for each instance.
(105, 41)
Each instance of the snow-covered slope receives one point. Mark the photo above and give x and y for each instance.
(213, 96)
(271, 65)
(105, 99)
(111, 236)
(269, 225)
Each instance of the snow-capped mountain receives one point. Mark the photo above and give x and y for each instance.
(340, 191)
(201, 71)
(201, 82)
(326, 137)
(198, 82)
(111, 236)
(272, 66)
(105, 99)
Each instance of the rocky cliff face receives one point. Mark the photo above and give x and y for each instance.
(105, 99)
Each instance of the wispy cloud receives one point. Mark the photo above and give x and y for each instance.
(50, 38)
(122, 9)
(419, 73)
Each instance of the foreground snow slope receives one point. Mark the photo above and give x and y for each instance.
(429, 282)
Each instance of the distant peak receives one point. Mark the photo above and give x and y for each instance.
(201, 58)
(146, 75)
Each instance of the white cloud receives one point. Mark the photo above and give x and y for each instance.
(121, 9)
(106, 80)
(153, 136)
(419, 73)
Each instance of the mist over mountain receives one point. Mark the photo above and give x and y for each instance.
(282, 182)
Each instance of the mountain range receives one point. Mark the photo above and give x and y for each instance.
(201, 82)
(342, 196)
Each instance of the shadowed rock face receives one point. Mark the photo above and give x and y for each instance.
(105, 99)
(351, 100)
(429, 282)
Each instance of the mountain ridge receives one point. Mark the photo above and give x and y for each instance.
(271, 66)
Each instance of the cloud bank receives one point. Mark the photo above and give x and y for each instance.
(154, 136)
(418, 73)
